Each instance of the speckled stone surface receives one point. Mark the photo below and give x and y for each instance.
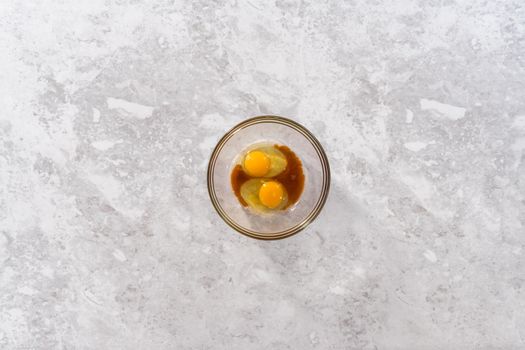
(110, 111)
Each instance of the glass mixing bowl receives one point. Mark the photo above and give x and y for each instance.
(278, 130)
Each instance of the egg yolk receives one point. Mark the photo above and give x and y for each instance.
(256, 163)
(271, 194)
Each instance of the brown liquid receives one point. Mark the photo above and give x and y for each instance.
(292, 178)
(239, 177)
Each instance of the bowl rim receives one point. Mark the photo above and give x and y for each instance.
(271, 119)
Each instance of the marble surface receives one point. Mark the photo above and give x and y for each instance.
(110, 112)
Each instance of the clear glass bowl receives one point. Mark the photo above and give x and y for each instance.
(277, 130)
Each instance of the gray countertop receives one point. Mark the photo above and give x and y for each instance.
(110, 112)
